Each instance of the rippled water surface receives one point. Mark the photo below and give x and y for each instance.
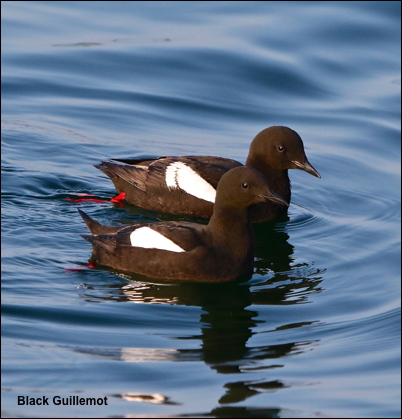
(315, 332)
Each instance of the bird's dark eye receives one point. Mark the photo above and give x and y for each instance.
(244, 185)
(281, 148)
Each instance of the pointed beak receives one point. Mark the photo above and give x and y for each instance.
(307, 167)
(273, 197)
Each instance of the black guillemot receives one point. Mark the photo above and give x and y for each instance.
(187, 185)
(220, 251)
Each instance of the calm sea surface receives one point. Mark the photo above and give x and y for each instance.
(315, 332)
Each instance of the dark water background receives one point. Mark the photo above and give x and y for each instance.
(316, 331)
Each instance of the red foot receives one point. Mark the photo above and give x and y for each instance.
(91, 265)
(119, 197)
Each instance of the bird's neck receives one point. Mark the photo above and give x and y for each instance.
(278, 179)
(231, 230)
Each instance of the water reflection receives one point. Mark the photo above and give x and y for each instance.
(244, 412)
(230, 317)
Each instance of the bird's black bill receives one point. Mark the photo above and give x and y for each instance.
(307, 167)
(275, 198)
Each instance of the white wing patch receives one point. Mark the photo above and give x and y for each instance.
(179, 175)
(151, 239)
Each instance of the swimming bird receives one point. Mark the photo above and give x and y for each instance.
(220, 251)
(187, 185)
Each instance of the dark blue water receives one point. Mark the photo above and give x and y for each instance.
(316, 331)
